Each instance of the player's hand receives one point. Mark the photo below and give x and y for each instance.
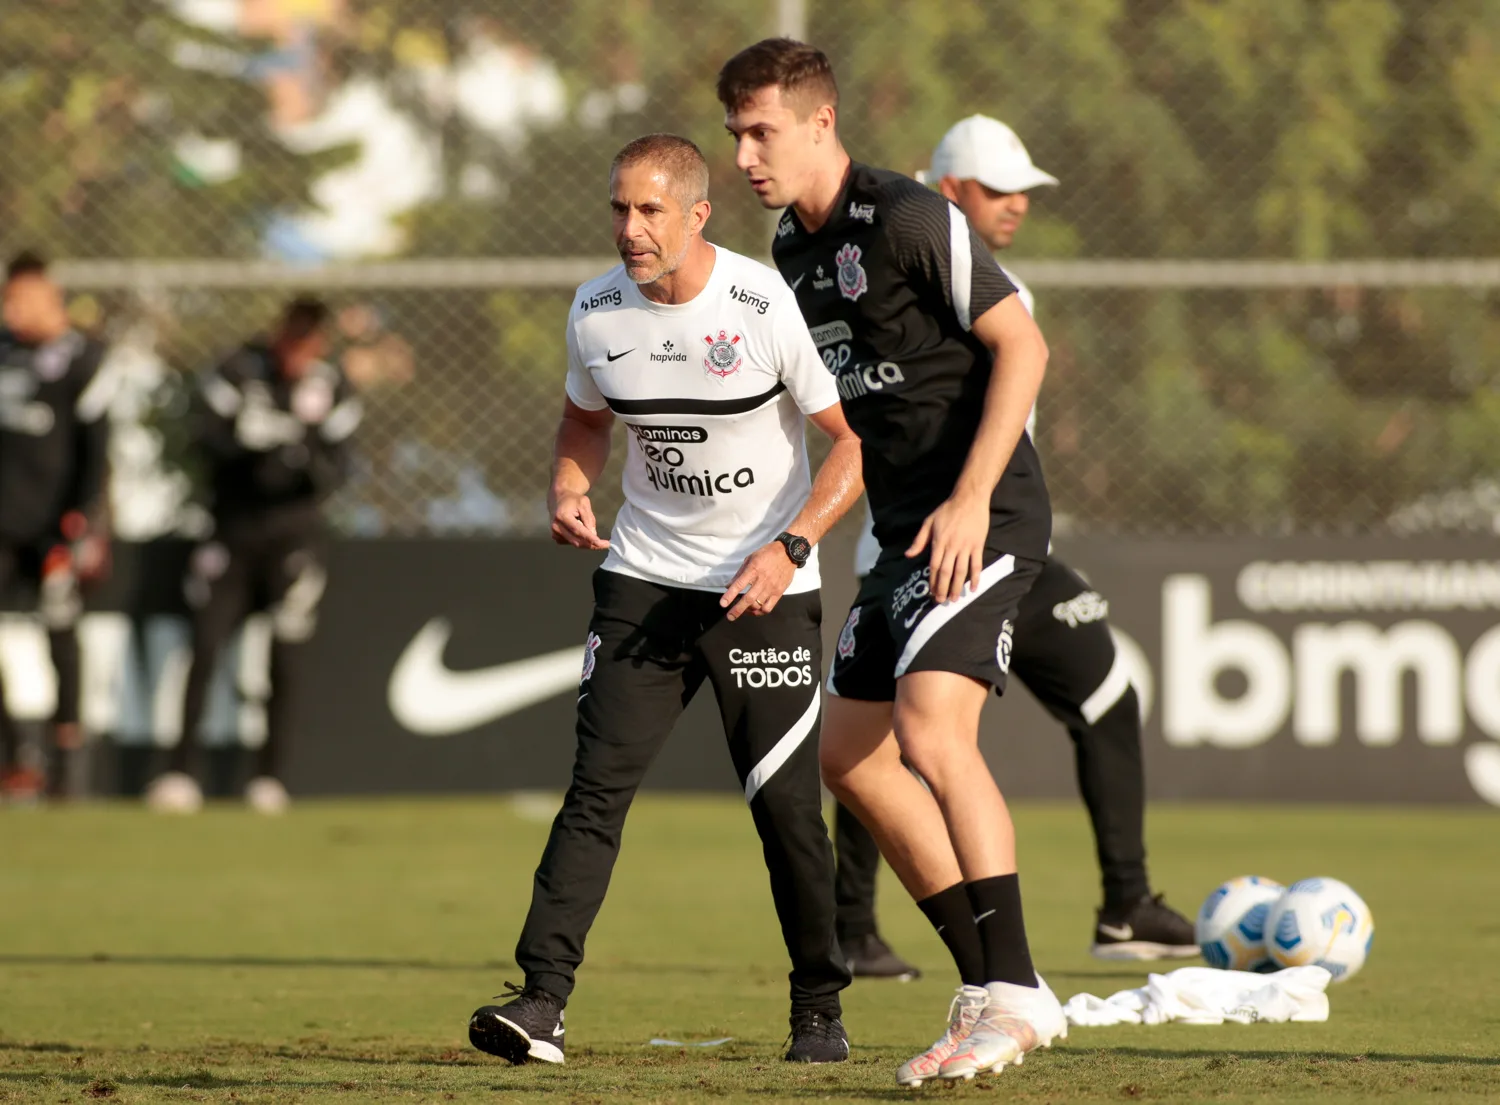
(88, 553)
(573, 523)
(763, 578)
(91, 559)
(955, 532)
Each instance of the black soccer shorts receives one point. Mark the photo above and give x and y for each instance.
(895, 628)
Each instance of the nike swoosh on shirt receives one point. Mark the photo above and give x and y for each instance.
(797, 281)
(1117, 932)
(608, 356)
(431, 700)
(911, 621)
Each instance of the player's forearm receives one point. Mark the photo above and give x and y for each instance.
(835, 489)
(578, 457)
(1014, 383)
(93, 465)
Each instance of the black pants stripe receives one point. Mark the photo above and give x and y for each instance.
(1064, 654)
(651, 648)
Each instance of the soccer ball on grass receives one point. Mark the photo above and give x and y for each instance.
(1231, 925)
(1320, 922)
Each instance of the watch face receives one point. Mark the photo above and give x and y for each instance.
(800, 548)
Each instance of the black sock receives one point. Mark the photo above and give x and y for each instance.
(1002, 929)
(950, 913)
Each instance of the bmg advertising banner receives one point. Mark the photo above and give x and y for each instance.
(1343, 670)
(1358, 670)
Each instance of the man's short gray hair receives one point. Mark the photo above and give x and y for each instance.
(678, 157)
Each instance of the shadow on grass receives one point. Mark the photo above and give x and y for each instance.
(1227, 1055)
(95, 959)
(317, 962)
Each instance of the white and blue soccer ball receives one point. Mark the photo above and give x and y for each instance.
(1320, 922)
(1231, 926)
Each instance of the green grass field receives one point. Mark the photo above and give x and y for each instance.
(335, 954)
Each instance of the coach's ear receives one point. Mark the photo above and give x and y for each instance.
(698, 216)
(824, 122)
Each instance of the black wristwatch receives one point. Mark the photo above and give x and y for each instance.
(798, 549)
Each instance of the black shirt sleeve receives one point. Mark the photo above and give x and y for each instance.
(91, 437)
(330, 446)
(934, 246)
(215, 407)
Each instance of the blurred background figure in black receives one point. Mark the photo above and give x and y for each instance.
(54, 438)
(273, 428)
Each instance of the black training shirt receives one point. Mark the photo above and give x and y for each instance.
(54, 434)
(889, 287)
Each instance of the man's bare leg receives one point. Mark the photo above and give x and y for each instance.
(936, 721)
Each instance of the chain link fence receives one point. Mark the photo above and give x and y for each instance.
(1257, 275)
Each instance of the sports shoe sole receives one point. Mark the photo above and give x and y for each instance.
(1143, 950)
(970, 1075)
(492, 1033)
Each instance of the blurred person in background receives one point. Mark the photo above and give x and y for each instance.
(1063, 652)
(54, 440)
(273, 428)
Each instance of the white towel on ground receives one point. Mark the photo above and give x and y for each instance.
(1203, 995)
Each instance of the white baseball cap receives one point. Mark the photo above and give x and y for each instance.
(984, 149)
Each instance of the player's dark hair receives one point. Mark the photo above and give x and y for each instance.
(802, 72)
(680, 157)
(26, 263)
(303, 317)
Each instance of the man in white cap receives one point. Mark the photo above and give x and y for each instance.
(1063, 650)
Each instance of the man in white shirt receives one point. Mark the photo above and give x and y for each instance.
(1063, 651)
(711, 573)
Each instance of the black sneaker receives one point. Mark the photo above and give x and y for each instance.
(817, 1038)
(529, 1026)
(1148, 929)
(869, 956)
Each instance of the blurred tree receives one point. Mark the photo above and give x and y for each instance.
(1227, 129)
(1232, 129)
(112, 113)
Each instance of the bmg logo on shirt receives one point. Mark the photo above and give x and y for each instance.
(768, 667)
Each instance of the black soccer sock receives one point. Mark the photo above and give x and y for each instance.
(950, 913)
(1002, 929)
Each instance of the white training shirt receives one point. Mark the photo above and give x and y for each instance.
(713, 393)
(867, 549)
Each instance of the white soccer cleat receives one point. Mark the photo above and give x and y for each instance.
(968, 1004)
(174, 792)
(1017, 1019)
(265, 794)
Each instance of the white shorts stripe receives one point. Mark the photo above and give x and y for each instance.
(782, 750)
(1115, 684)
(939, 616)
(960, 264)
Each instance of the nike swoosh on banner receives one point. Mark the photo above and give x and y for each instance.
(431, 700)
(1122, 932)
(608, 356)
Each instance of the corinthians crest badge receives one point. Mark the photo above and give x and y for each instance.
(723, 354)
(846, 635)
(852, 282)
